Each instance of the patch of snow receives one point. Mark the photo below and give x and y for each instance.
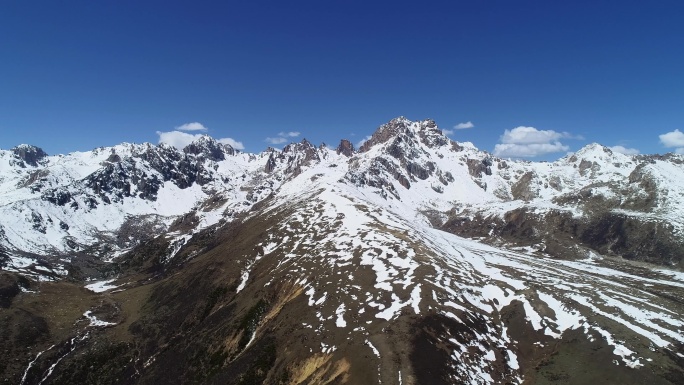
(243, 281)
(101, 286)
(340, 322)
(96, 322)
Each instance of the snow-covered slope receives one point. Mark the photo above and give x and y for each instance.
(318, 265)
(104, 202)
(365, 267)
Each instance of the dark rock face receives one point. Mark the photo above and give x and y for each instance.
(112, 180)
(28, 155)
(584, 166)
(270, 163)
(293, 157)
(432, 136)
(345, 148)
(57, 197)
(386, 132)
(399, 129)
(478, 167)
(392, 170)
(209, 148)
(523, 189)
(36, 180)
(123, 177)
(419, 171)
(374, 176)
(114, 158)
(304, 150)
(406, 158)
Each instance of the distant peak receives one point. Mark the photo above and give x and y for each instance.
(29, 154)
(427, 129)
(204, 138)
(594, 149)
(303, 145)
(387, 131)
(208, 147)
(400, 120)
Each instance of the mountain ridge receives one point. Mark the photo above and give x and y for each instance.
(321, 265)
(399, 153)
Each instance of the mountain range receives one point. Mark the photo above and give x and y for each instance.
(414, 259)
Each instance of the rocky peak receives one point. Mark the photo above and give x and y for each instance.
(300, 154)
(293, 157)
(592, 151)
(28, 154)
(404, 155)
(431, 136)
(425, 131)
(345, 148)
(386, 132)
(209, 148)
(302, 149)
(593, 157)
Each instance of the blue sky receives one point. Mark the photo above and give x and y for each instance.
(535, 79)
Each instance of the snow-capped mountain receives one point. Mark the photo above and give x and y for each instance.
(322, 265)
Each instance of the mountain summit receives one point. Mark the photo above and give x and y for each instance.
(412, 260)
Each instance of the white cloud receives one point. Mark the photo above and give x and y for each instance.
(177, 139)
(448, 132)
(232, 142)
(282, 137)
(672, 139)
(530, 135)
(528, 150)
(463, 126)
(529, 142)
(194, 126)
(291, 134)
(276, 140)
(181, 139)
(625, 150)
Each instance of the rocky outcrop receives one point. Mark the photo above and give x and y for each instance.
(28, 155)
(477, 168)
(524, 188)
(208, 148)
(386, 132)
(293, 157)
(270, 163)
(431, 136)
(426, 132)
(345, 148)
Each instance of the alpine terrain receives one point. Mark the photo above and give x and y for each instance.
(414, 259)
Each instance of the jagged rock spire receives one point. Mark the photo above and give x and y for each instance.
(345, 148)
